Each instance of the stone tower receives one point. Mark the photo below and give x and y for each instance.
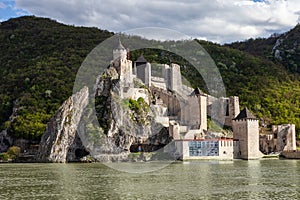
(123, 65)
(119, 52)
(194, 112)
(245, 130)
(234, 106)
(175, 78)
(232, 109)
(143, 70)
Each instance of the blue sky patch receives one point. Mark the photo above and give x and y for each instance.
(8, 10)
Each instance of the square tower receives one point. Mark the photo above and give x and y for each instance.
(175, 83)
(143, 70)
(194, 111)
(246, 131)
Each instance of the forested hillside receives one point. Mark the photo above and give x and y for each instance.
(38, 62)
(40, 57)
(280, 48)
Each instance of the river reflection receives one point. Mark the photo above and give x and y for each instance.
(257, 179)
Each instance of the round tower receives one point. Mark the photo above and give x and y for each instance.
(119, 52)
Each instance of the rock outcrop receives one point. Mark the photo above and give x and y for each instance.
(60, 142)
(107, 133)
(125, 125)
(5, 141)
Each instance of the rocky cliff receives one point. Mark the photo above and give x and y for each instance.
(60, 142)
(5, 141)
(124, 123)
(107, 133)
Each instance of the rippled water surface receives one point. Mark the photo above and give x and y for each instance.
(264, 179)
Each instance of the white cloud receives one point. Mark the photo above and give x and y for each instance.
(217, 20)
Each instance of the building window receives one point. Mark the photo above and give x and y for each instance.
(227, 108)
(203, 148)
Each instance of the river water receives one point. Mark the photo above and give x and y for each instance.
(257, 179)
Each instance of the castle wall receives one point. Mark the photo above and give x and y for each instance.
(192, 133)
(283, 138)
(159, 82)
(217, 109)
(169, 100)
(286, 137)
(266, 143)
(223, 109)
(226, 149)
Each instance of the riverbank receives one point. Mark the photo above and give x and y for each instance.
(291, 154)
(150, 156)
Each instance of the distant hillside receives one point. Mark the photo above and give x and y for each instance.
(281, 48)
(39, 59)
(263, 85)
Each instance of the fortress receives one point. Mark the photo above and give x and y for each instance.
(184, 111)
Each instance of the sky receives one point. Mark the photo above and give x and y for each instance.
(221, 21)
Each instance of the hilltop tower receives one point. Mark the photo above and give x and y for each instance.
(119, 52)
(245, 130)
(123, 65)
(143, 70)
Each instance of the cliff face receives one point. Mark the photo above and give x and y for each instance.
(124, 123)
(5, 141)
(107, 133)
(60, 142)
